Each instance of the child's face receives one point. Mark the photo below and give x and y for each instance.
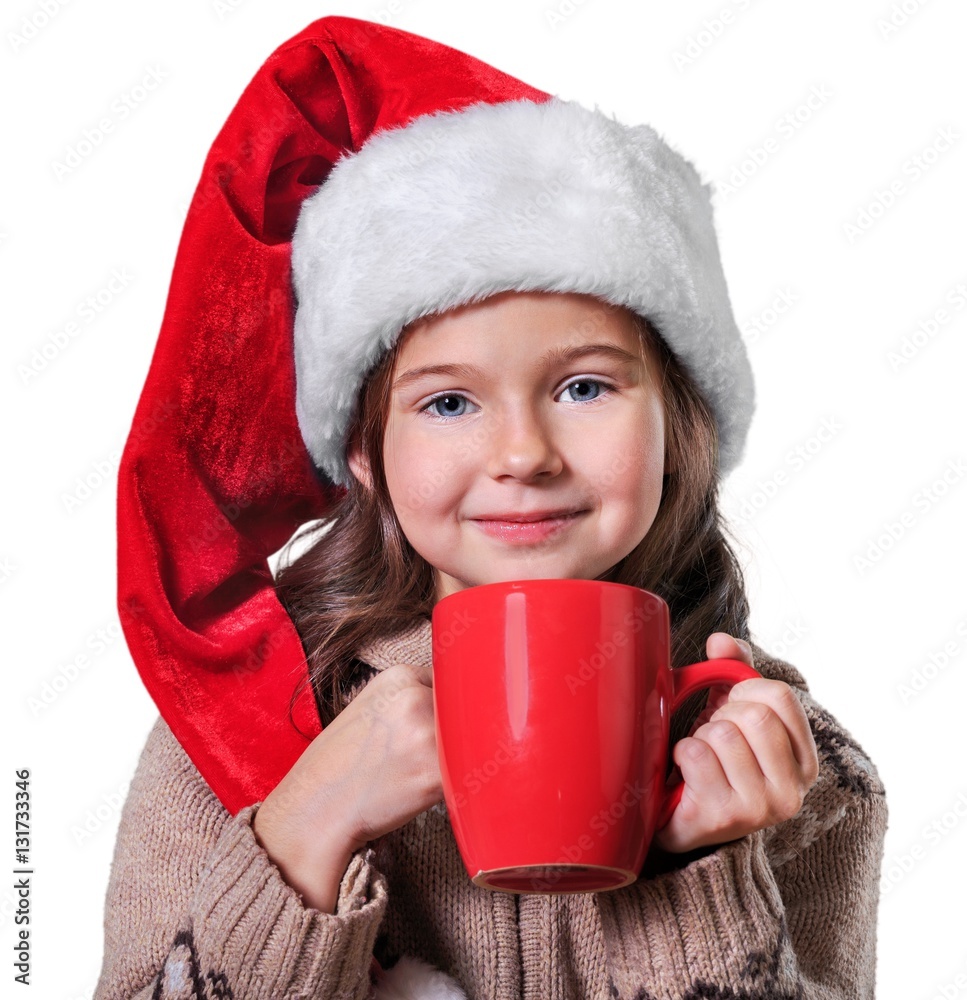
(514, 433)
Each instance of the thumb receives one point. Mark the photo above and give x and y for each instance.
(721, 645)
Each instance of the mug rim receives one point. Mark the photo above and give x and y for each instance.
(571, 582)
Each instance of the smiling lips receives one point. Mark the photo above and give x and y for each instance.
(526, 528)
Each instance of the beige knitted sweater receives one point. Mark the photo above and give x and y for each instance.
(195, 908)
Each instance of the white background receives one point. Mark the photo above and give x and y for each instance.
(892, 430)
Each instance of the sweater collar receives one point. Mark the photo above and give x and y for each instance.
(410, 645)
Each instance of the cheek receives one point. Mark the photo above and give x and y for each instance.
(635, 498)
(638, 485)
(633, 466)
(419, 473)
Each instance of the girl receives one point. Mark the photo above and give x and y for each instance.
(510, 310)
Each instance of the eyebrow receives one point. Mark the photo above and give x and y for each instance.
(557, 355)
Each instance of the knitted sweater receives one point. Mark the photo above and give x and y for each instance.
(195, 908)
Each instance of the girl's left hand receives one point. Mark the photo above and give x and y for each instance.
(748, 764)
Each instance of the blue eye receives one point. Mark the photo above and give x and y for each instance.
(584, 383)
(449, 411)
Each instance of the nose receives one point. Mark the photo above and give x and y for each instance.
(523, 447)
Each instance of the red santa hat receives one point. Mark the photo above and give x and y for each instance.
(366, 177)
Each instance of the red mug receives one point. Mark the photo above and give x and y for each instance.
(553, 700)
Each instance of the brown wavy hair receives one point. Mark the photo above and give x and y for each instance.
(360, 579)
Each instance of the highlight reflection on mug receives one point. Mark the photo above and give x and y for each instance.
(635, 621)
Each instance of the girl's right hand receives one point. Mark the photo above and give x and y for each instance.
(372, 769)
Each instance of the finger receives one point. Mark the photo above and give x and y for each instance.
(746, 783)
(772, 778)
(781, 698)
(722, 646)
(717, 697)
(705, 779)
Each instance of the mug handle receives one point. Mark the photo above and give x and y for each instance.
(686, 681)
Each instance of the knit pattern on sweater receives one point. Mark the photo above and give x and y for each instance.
(195, 909)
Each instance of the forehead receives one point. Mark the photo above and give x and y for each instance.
(514, 324)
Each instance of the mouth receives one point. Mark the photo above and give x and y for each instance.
(527, 528)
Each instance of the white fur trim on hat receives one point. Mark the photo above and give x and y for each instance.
(413, 979)
(459, 205)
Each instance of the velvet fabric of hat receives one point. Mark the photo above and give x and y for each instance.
(366, 177)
